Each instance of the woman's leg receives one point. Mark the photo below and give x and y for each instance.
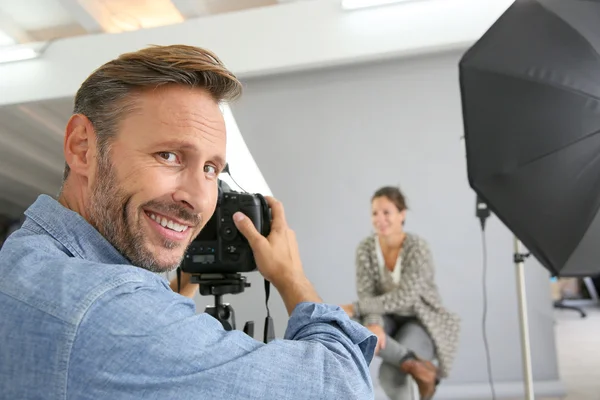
(414, 336)
(400, 338)
(409, 336)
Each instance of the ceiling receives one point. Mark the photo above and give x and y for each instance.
(31, 135)
(24, 21)
(31, 158)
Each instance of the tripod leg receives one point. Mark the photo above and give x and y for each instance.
(249, 328)
(560, 305)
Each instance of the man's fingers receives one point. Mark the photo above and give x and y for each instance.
(247, 228)
(277, 213)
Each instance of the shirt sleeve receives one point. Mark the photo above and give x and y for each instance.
(147, 342)
(365, 286)
(418, 274)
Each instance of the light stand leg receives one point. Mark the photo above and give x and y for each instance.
(523, 320)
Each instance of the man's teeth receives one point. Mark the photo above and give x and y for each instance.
(166, 223)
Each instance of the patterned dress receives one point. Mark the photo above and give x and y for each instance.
(416, 294)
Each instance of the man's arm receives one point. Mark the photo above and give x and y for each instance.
(143, 341)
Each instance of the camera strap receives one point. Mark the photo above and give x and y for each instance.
(269, 332)
(267, 293)
(178, 279)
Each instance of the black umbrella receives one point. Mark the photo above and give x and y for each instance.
(531, 106)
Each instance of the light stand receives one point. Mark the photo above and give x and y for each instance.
(483, 212)
(519, 259)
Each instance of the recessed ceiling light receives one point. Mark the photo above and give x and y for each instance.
(17, 53)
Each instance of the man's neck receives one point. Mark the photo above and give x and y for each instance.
(68, 200)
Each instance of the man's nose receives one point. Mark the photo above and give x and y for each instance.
(196, 193)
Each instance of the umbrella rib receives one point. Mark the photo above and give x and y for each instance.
(581, 35)
(597, 131)
(537, 81)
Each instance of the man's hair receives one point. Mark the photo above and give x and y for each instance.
(109, 93)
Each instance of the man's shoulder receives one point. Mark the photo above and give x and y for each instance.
(39, 273)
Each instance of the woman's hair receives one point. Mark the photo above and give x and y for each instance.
(394, 195)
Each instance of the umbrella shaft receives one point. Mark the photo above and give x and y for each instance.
(524, 324)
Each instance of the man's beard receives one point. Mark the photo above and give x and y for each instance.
(113, 216)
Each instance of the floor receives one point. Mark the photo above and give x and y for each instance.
(578, 345)
(579, 353)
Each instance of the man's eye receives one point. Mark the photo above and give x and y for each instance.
(210, 169)
(168, 156)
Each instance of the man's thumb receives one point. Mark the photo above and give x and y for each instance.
(246, 227)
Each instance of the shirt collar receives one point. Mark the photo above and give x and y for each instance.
(72, 231)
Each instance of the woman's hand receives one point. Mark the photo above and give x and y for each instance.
(380, 333)
(349, 309)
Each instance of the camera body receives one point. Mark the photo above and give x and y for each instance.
(220, 248)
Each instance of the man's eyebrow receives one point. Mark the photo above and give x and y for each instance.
(185, 145)
(220, 161)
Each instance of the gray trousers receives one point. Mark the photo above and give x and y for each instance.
(402, 334)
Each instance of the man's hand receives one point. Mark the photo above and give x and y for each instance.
(378, 331)
(277, 256)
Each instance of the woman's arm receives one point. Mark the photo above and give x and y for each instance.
(365, 284)
(418, 274)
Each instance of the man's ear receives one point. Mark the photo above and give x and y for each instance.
(80, 145)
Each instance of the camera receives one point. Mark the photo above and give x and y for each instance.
(220, 248)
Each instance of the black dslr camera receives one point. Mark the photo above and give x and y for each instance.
(220, 248)
(219, 255)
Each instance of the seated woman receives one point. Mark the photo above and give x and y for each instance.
(398, 301)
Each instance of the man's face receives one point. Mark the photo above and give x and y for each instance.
(157, 185)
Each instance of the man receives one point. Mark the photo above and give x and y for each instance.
(84, 314)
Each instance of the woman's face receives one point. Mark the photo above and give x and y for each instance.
(386, 218)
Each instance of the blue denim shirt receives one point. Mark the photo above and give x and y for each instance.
(79, 322)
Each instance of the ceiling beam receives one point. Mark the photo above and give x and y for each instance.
(45, 118)
(83, 15)
(10, 208)
(12, 29)
(16, 185)
(15, 148)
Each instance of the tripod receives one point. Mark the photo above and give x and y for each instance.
(219, 285)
